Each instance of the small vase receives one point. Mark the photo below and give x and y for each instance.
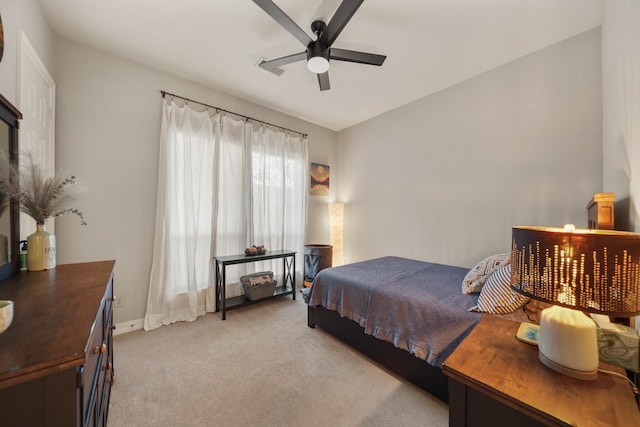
(41, 250)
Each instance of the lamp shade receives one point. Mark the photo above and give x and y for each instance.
(576, 270)
(336, 226)
(590, 270)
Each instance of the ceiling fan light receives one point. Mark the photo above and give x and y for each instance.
(318, 64)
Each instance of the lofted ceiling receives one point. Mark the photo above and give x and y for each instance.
(429, 44)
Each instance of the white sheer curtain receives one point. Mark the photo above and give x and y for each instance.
(223, 185)
(278, 193)
(232, 216)
(180, 274)
(263, 195)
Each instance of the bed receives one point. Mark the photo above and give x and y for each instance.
(406, 315)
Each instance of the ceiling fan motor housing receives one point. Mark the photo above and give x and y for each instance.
(317, 27)
(317, 48)
(317, 57)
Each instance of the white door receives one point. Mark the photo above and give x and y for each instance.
(36, 100)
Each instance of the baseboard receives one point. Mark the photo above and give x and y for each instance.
(130, 326)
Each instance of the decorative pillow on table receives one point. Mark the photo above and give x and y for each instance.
(497, 297)
(478, 275)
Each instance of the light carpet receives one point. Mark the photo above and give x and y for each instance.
(261, 367)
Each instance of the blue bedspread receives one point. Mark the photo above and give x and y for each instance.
(418, 306)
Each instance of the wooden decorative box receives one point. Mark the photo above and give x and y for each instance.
(600, 211)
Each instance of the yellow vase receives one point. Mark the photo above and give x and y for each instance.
(41, 250)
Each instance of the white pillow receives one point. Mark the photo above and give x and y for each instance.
(256, 278)
(497, 296)
(478, 275)
(259, 280)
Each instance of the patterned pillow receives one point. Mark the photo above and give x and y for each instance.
(478, 275)
(497, 297)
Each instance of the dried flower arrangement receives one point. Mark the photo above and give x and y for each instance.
(40, 196)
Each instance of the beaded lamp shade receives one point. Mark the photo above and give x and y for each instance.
(595, 271)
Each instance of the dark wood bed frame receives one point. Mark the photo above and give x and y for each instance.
(400, 362)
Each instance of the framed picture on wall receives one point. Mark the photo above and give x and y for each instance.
(319, 180)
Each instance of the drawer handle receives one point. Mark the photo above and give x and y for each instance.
(101, 349)
(111, 299)
(111, 380)
(107, 367)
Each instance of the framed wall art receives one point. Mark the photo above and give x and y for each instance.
(319, 180)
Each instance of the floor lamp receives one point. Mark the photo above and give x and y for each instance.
(336, 224)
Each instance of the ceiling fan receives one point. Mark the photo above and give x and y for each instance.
(319, 51)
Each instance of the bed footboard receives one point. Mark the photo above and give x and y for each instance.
(400, 362)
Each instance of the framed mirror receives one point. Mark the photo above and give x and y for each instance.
(1, 39)
(9, 210)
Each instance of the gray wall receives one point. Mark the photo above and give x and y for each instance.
(27, 16)
(444, 178)
(108, 115)
(621, 100)
(441, 179)
(108, 132)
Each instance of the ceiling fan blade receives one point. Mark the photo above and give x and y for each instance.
(355, 56)
(323, 81)
(275, 63)
(283, 19)
(342, 16)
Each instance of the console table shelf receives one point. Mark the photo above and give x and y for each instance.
(241, 301)
(288, 287)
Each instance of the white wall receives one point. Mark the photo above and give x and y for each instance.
(441, 179)
(108, 132)
(27, 16)
(621, 102)
(444, 178)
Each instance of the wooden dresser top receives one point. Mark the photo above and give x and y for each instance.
(493, 360)
(54, 313)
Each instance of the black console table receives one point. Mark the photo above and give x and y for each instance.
(289, 277)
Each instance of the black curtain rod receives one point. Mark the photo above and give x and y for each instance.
(165, 93)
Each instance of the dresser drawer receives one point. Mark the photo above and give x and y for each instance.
(98, 369)
(105, 377)
(108, 308)
(95, 350)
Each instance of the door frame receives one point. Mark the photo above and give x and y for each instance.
(28, 55)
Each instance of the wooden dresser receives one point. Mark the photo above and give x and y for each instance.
(56, 358)
(496, 380)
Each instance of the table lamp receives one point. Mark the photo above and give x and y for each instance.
(578, 271)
